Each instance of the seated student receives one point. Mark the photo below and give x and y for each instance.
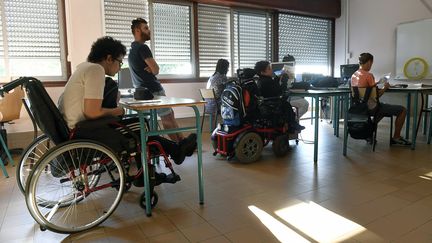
(274, 87)
(219, 79)
(82, 102)
(300, 103)
(362, 78)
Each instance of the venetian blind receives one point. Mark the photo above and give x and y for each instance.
(32, 28)
(213, 37)
(308, 39)
(119, 15)
(172, 38)
(252, 38)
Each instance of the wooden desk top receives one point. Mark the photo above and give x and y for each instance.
(158, 102)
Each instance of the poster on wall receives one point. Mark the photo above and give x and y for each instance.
(414, 50)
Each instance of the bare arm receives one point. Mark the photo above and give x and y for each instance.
(93, 109)
(152, 66)
(381, 91)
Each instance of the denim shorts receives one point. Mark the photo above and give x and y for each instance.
(163, 111)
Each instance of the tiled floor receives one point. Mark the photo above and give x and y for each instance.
(382, 196)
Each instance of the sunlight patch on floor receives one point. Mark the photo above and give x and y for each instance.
(282, 232)
(319, 223)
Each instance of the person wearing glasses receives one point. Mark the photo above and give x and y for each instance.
(82, 106)
(143, 69)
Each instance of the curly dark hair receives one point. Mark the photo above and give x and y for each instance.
(105, 46)
(136, 23)
(261, 66)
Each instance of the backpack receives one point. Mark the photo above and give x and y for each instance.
(110, 93)
(232, 107)
(360, 125)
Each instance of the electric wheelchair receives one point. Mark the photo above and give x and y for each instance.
(72, 185)
(264, 122)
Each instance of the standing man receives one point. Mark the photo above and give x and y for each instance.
(144, 69)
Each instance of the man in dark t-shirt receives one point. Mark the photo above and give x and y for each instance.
(143, 69)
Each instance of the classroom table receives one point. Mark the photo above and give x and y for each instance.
(316, 94)
(409, 91)
(142, 108)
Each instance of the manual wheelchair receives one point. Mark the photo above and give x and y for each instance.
(72, 185)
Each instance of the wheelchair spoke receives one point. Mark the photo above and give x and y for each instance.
(84, 195)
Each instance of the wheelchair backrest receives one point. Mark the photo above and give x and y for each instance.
(46, 114)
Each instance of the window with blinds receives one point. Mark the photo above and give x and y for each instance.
(118, 18)
(2, 52)
(309, 40)
(252, 38)
(32, 39)
(214, 38)
(172, 33)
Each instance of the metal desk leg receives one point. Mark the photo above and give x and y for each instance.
(312, 111)
(408, 116)
(6, 149)
(345, 125)
(145, 162)
(335, 101)
(316, 130)
(3, 169)
(425, 106)
(338, 107)
(154, 127)
(199, 155)
(430, 130)
(414, 128)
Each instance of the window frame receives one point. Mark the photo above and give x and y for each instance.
(193, 47)
(330, 58)
(269, 34)
(273, 22)
(64, 64)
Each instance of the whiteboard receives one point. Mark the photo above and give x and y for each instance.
(413, 39)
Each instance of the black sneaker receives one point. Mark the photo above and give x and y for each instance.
(189, 144)
(178, 156)
(400, 141)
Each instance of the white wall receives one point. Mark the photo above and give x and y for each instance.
(372, 28)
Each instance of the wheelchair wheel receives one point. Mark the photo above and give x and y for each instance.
(82, 188)
(31, 155)
(249, 147)
(153, 200)
(280, 145)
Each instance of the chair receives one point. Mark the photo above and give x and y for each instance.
(371, 93)
(211, 107)
(10, 109)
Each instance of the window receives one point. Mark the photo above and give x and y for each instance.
(309, 40)
(172, 31)
(252, 38)
(118, 18)
(214, 39)
(31, 39)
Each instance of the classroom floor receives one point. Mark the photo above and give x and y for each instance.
(382, 196)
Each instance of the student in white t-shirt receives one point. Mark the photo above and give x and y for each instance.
(81, 104)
